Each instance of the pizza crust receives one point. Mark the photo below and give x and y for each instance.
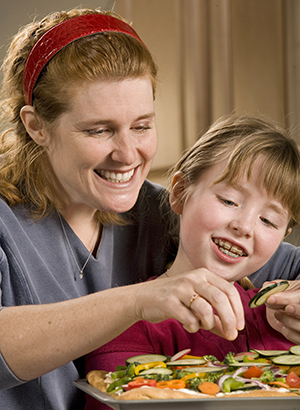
(99, 379)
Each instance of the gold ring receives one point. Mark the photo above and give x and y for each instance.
(193, 298)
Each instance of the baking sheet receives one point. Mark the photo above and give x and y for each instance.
(252, 403)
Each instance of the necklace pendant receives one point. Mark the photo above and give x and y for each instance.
(81, 275)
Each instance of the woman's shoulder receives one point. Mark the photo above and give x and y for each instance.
(284, 264)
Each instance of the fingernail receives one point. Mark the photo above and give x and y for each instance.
(271, 300)
(290, 309)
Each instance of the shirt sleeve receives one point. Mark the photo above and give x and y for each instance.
(284, 264)
(8, 379)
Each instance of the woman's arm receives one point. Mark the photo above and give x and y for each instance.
(37, 339)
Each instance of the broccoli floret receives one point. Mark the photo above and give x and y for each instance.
(213, 377)
(193, 383)
(267, 376)
(178, 374)
(210, 358)
(229, 359)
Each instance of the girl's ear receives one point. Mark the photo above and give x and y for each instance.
(177, 190)
(34, 127)
(289, 230)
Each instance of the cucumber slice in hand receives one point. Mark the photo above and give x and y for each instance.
(261, 297)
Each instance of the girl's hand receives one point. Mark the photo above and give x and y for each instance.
(283, 312)
(218, 307)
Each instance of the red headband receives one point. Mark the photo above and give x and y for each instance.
(57, 37)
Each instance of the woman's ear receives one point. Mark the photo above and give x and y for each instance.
(34, 127)
(177, 190)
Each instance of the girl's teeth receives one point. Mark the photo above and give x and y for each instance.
(228, 249)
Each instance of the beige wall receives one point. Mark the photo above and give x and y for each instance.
(214, 56)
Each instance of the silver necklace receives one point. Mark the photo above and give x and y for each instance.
(71, 249)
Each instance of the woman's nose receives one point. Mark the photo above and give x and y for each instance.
(124, 149)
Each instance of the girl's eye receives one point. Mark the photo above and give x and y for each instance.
(268, 223)
(227, 202)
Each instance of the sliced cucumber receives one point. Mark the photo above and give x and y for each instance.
(247, 364)
(187, 362)
(261, 297)
(271, 353)
(156, 370)
(146, 358)
(205, 369)
(287, 360)
(295, 349)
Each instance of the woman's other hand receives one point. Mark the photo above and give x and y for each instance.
(283, 312)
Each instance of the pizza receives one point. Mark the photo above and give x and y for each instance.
(256, 373)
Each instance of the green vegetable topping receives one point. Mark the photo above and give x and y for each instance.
(267, 376)
(229, 359)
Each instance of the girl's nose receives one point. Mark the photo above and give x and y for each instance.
(243, 225)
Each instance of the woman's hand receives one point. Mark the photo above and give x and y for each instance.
(218, 307)
(283, 312)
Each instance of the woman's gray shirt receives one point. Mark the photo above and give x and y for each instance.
(37, 267)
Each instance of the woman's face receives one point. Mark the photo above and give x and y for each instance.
(102, 149)
(230, 229)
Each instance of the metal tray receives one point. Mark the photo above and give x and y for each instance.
(257, 403)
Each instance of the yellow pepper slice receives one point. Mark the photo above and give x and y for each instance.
(187, 356)
(191, 375)
(147, 366)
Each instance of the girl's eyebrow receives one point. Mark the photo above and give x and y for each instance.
(277, 208)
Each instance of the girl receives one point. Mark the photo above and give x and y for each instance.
(237, 191)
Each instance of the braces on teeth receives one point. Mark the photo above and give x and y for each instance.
(227, 249)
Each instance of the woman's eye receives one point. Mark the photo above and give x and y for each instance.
(142, 127)
(99, 132)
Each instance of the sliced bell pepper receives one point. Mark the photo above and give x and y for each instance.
(191, 375)
(141, 382)
(147, 366)
(171, 384)
(253, 371)
(232, 384)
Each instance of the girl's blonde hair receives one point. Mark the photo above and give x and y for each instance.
(26, 176)
(242, 139)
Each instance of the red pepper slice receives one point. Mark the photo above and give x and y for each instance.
(141, 382)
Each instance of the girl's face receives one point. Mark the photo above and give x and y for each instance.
(232, 230)
(102, 149)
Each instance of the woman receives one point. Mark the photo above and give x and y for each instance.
(78, 95)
